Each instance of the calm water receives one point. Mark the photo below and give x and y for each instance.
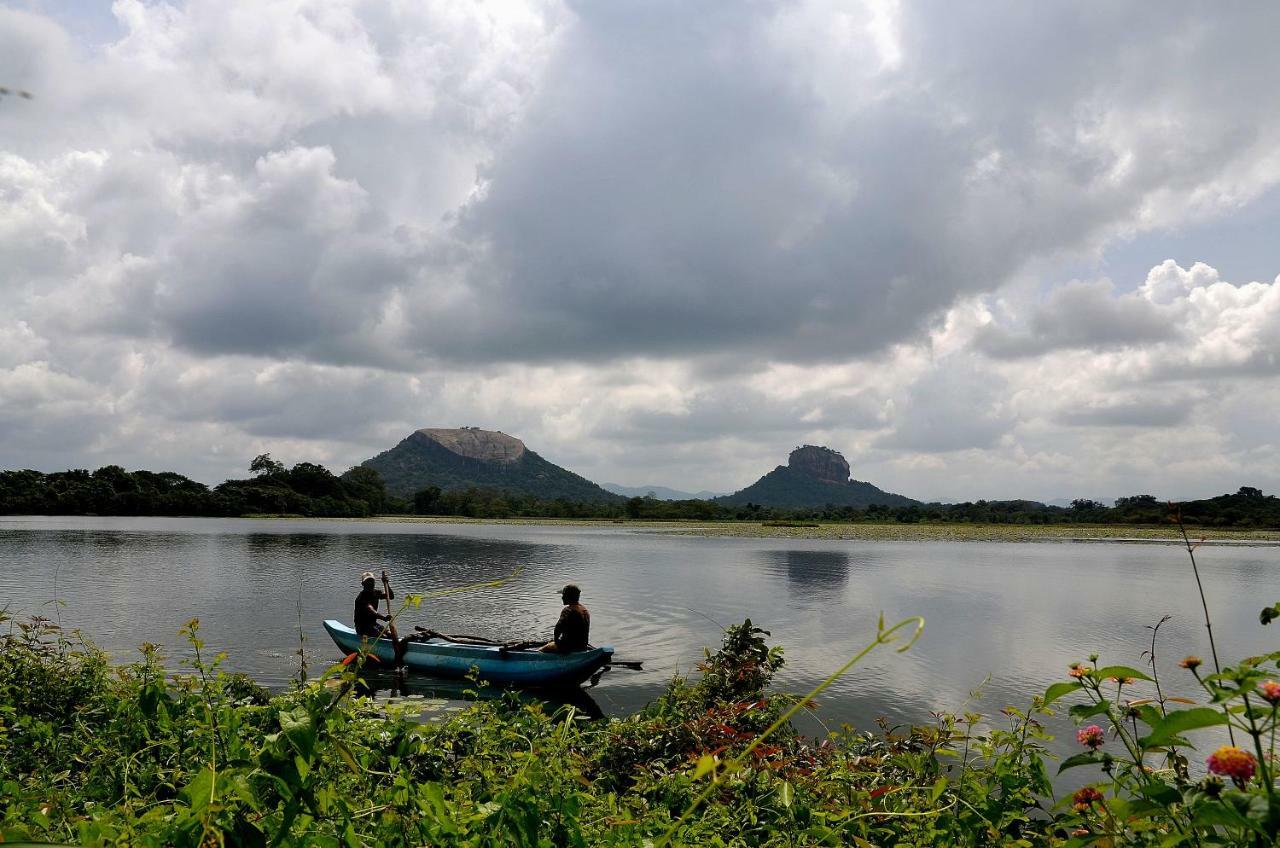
(1006, 617)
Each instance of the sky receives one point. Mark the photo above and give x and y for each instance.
(989, 250)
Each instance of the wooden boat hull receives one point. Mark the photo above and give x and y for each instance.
(442, 658)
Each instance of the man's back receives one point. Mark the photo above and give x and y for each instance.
(573, 630)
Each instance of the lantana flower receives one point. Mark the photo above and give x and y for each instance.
(1270, 692)
(1084, 797)
(1192, 662)
(1235, 763)
(1091, 737)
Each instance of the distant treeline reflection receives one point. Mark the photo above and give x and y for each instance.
(311, 490)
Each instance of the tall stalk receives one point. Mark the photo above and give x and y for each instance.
(1208, 624)
(302, 642)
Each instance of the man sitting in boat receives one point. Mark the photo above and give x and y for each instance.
(367, 617)
(574, 626)
(367, 603)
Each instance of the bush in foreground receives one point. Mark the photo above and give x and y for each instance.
(96, 755)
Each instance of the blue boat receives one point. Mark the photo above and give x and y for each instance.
(442, 658)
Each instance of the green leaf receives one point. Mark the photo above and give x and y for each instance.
(1120, 671)
(1176, 723)
(347, 757)
(1087, 758)
(1161, 793)
(937, 790)
(1210, 813)
(1149, 715)
(705, 764)
(299, 730)
(1083, 711)
(200, 792)
(1057, 690)
(786, 793)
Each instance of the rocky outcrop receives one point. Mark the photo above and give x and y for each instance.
(474, 443)
(468, 457)
(813, 477)
(822, 464)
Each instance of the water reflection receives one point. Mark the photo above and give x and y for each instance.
(1017, 612)
(816, 574)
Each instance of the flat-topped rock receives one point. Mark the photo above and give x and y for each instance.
(820, 463)
(813, 478)
(457, 459)
(485, 445)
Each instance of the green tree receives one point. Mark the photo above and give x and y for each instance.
(427, 501)
(264, 466)
(366, 484)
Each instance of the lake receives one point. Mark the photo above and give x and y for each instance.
(1006, 617)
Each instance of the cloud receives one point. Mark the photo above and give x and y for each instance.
(1084, 315)
(955, 406)
(645, 237)
(1154, 412)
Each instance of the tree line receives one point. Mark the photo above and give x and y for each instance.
(308, 489)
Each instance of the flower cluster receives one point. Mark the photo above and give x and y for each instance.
(1235, 763)
(1084, 797)
(1191, 662)
(1091, 737)
(1270, 691)
(1077, 671)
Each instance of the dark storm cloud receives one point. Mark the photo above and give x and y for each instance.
(700, 188)
(1081, 315)
(780, 181)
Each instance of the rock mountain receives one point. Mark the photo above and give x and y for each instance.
(461, 458)
(814, 477)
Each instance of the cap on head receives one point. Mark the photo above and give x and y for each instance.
(368, 575)
(571, 593)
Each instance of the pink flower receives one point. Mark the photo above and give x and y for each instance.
(1235, 763)
(1091, 737)
(1270, 692)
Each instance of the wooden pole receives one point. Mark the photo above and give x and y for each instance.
(391, 627)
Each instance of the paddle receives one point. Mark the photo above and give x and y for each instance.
(395, 637)
(634, 665)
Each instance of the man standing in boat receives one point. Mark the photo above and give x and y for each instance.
(367, 617)
(574, 627)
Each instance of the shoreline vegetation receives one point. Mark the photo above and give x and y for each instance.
(96, 755)
(312, 491)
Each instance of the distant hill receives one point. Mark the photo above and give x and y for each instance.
(814, 477)
(662, 493)
(455, 459)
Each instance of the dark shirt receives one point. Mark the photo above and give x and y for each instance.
(573, 628)
(366, 619)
